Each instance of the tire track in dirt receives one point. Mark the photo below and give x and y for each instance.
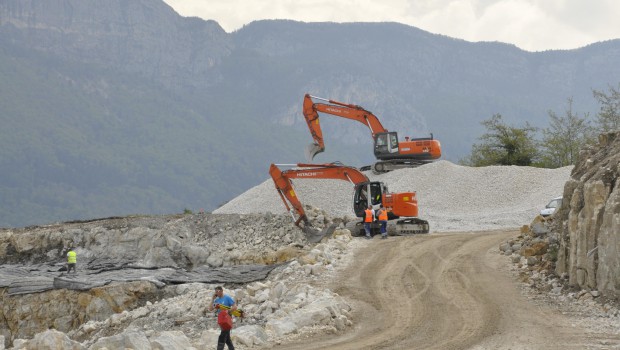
(440, 292)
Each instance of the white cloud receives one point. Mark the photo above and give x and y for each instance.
(533, 25)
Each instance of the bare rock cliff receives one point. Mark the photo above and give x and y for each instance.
(589, 220)
(143, 37)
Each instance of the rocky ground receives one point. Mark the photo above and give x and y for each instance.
(533, 254)
(295, 299)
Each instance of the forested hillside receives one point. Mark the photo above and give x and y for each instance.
(113, 107)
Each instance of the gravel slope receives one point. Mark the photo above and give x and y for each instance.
(451, 197)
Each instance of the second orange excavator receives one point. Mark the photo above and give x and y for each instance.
(390, 152)
(400, 206)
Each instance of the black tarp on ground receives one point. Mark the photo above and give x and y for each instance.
(39, 278)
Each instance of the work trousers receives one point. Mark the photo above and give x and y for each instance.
(383, 228)
(224, 339)
(367, 228)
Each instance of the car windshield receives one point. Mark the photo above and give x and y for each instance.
(556, 203)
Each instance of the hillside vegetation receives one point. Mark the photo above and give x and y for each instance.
(114, 108)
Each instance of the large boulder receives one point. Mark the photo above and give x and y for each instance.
(135, 340)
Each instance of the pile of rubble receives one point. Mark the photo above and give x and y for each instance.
(274, 309)
(534, 255)
(144, 314)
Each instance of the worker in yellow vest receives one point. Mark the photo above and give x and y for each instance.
(382, 217)
(71, 260)
(369, 217)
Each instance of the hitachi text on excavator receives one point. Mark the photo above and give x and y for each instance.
(402, 207)
(391, 153)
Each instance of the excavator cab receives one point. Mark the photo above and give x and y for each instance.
(386, 143)
(367, 192)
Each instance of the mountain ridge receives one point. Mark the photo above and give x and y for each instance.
(115, 108)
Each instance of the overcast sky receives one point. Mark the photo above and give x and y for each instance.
(533, 25)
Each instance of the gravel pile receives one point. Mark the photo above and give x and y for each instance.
(451, 197)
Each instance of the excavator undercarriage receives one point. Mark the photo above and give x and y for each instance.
(404, 227)
(411, 226)
(393, 164)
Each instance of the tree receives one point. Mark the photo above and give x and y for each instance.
(564, 137)
(609, 116)
(504, 145)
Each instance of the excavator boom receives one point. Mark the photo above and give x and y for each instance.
(354, 112)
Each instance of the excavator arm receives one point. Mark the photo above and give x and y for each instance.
(311, 114)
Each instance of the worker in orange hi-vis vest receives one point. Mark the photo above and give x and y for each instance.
(382, 217)
(369, 217)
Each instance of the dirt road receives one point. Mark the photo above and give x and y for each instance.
(442, 291)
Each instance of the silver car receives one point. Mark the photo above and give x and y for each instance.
(551, 207)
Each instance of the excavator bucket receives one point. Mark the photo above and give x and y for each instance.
(313, 235)
(312, 150)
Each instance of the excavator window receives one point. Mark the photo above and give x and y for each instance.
(360, 200)
(381, 140)
(393, 142)
(375, 192)
(381, 144)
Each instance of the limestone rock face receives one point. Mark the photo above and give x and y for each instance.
(65, 309)
(589, 220)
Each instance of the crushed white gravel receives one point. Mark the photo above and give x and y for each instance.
(451, 197)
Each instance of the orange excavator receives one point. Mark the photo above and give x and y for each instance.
(390, 152)
(400, 206)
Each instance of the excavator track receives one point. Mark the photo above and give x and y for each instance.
(395, 164)
(411, 226)
(404, 227)
(389, 165)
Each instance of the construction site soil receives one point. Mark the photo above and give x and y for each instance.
(454, 291)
